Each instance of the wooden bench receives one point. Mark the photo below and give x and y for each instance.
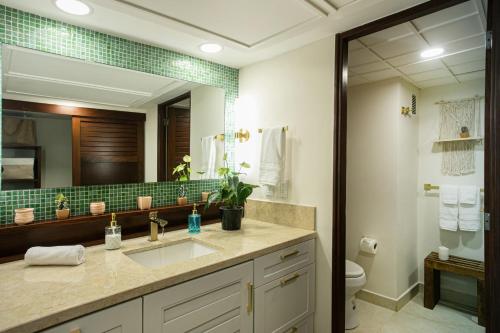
(467, 267)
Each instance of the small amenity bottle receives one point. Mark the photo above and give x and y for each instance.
(194, 221)
(113, 234)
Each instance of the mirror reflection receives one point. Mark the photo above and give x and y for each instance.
(67, 122)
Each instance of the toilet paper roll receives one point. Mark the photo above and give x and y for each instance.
(368, 245)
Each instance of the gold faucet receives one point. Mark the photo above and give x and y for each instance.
(154, 222)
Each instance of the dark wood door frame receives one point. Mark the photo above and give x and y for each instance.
(161, 162)
(492, 156)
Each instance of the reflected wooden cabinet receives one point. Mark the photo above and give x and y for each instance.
(107, 151)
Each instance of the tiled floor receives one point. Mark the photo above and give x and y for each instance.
(414, 318)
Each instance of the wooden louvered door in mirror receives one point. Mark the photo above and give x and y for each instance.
(107, 151)
(178, 137)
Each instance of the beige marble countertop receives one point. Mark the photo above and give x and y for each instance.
(35, 297)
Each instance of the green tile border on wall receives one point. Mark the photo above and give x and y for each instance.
(19, 28)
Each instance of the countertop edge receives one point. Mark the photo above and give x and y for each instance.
(115, 299)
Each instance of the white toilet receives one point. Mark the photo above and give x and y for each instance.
(355, 279)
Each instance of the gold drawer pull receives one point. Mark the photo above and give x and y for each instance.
(75, 330)
(288, 255)
(250, 297)
(293, 330)
(286, 281)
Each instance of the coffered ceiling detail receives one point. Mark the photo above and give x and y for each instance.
(395, 52)
(249, 31)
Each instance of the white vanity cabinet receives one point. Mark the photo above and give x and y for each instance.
(218, 302)
(273, 293)
(121, 318)
(285, 292)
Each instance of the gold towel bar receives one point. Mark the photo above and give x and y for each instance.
(430, 187)
(285, 129)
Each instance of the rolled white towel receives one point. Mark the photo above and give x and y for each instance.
(55, 255)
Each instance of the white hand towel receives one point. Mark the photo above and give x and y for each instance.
(18, 168)
(469, 210)
(449, 194)
(448, 207)
(468, 194)
(55, 255)
(208, 156)
(272, 156)
(219, 156)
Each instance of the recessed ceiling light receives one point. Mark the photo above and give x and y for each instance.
(75, 7)
(432, 52)
(210, 48)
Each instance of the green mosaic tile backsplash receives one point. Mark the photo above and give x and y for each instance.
(35, 32)
(117, 197)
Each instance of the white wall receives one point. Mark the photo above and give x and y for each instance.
(54, 135)
(461, 243)
(381, 183)
(151, 144)
(389, 158)
(296, 89)
(407, 172)
(207, 118)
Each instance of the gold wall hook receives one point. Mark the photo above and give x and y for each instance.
(242, 136)
(405, 110)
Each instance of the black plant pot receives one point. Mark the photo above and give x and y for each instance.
(231, 218)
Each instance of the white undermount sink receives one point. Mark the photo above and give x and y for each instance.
(171, 253)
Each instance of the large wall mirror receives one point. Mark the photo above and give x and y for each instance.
(67, 122)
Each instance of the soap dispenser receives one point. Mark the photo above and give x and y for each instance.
(113, 234)
(194, 221)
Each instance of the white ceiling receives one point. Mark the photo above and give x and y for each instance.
(33, 75)
(248, 30)
(395, 52)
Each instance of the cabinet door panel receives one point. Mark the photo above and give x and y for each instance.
(280, 263)
(286, 301)
(213, 303)
(122, 318)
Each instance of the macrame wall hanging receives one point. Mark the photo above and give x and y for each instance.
(459, 120)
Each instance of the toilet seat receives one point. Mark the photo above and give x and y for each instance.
(353, 270)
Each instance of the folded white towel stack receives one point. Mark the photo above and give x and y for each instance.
(55, 255)
(448, 207)
(272, 158)
(469, 210)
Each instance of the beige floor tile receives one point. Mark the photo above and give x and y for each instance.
(414, 318)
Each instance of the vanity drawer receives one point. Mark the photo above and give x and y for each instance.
(305, 326)
(283, 262)
(284, 303)
(123, 318)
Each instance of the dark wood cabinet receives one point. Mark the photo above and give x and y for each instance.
(107, 151)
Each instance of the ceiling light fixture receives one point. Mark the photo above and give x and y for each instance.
(210, 48)
(430, 53)
(75, 7)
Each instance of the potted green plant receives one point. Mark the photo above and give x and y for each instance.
(232, 193)
(183, 173)
(62, 211)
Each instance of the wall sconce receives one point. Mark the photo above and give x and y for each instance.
(242, 136)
